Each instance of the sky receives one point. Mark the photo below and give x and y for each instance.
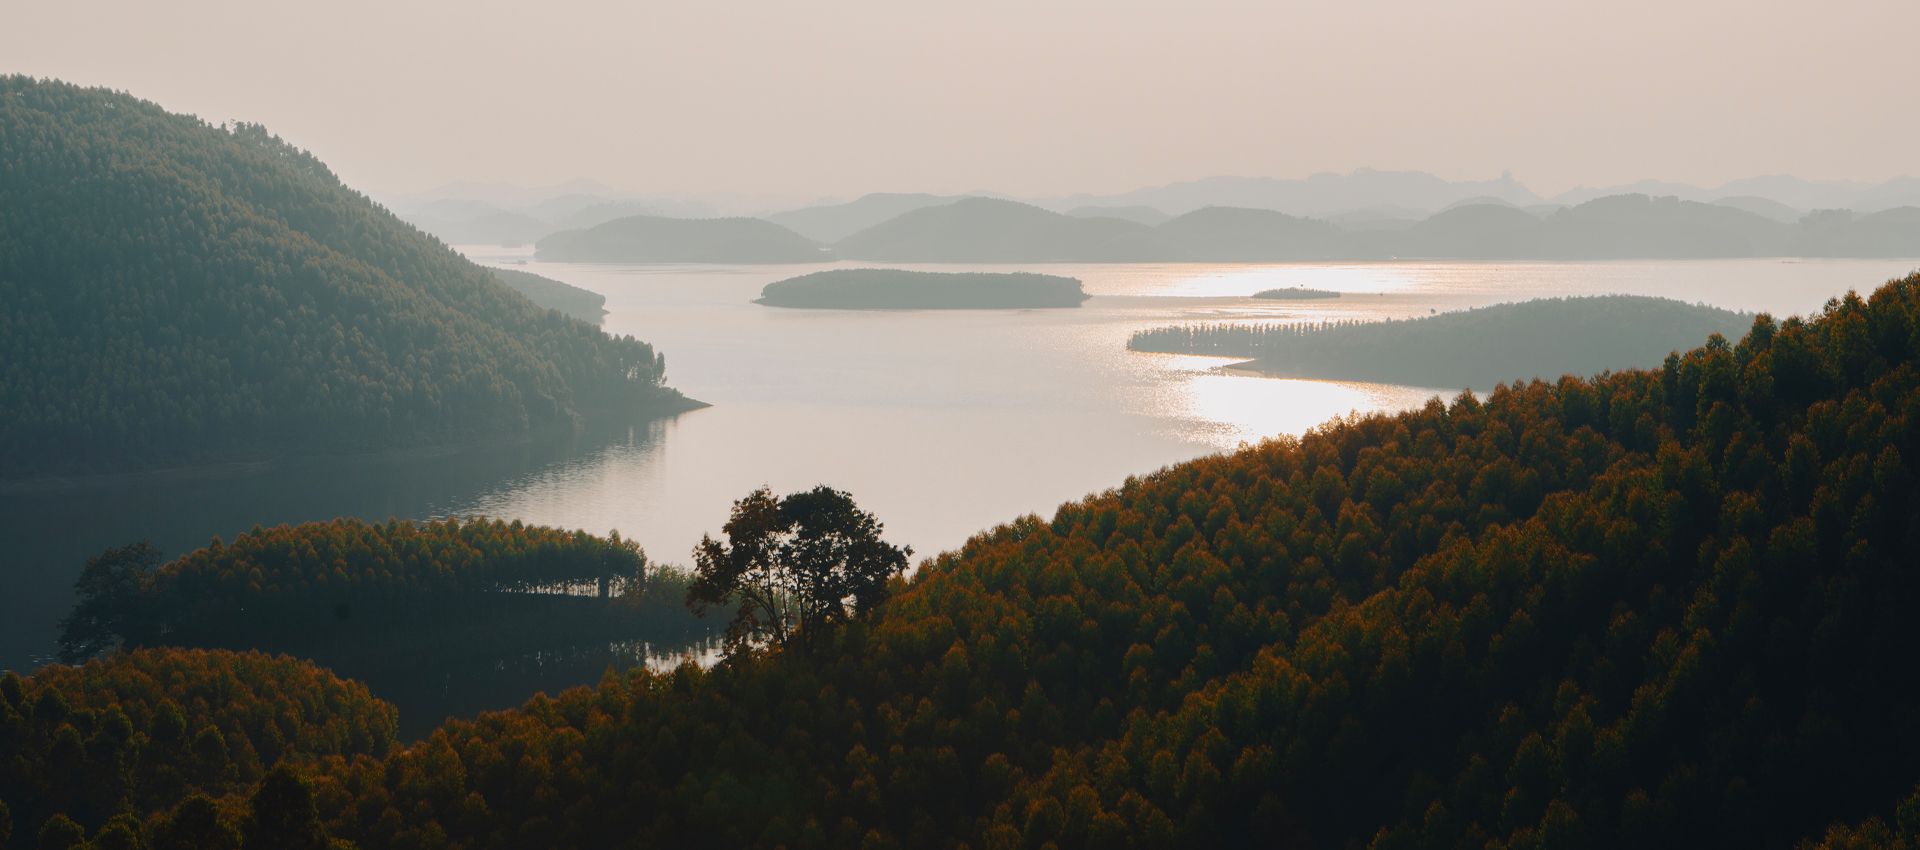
(1034, 98)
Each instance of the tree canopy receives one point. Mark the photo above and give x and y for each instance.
(793, 566)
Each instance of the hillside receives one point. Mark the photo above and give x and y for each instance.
(987, 230)
(654, 239)
(177, 291)
(1233, 234)
(830, 223)
(585, 305)
(1478, 348)
(1136, 214)
(1664, 607)
(895, 289)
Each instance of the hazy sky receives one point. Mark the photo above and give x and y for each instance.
(1029, 97)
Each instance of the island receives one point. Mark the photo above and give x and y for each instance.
(898, 289)
(1295, 293)
(1544, 338)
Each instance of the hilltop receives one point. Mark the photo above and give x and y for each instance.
(654, 239)
(830, 223)
(988, 230)
(177, 291)
(983, 230)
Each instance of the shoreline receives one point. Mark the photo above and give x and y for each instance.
(243, 465)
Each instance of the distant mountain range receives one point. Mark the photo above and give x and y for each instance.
(991, 230)
(497, 220)
(1365, 199)
(654, 239)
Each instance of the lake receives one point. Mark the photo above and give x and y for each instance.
(943, 423)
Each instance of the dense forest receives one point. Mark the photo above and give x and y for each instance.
(898, 289)
(373, 596)
(582, 304)
(1470, 348)
(657, 239)
(1658, 608)
(141, 732)
(178, 291)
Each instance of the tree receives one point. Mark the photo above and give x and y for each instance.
(60, 833)
(793, 565)
(283, 815)
(108, 593)
(195, 825)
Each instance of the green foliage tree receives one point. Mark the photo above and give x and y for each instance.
(60, 833)
(792, 566)
(108, 609)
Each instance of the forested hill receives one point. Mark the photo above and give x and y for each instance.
(1545, 337)
(656, 239)
(176, 291)
(1662, 608)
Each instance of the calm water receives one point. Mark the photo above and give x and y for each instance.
(943, 423)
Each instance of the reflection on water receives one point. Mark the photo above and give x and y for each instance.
(50, 532)
(465, 688)
(943, 423)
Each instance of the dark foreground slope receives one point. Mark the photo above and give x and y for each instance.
(1662, 608)
(1481, 347)
(175, 291)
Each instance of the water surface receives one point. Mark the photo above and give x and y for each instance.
(942, 422)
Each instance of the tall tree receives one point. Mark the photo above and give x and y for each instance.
(108, 592)
(195, 825)
(793, 565)
(283, 815)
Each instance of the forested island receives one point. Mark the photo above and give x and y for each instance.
(1295, 293)
(1659, 607)
(546, 292)
(178, 292)
(897, 289)
(346, 587)
(657, 239)
(1543, 338)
